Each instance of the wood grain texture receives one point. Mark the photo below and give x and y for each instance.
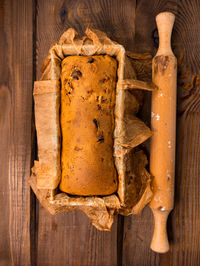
(182, 224)
(186, 244)
(31, 236)
(70, 237)
(114, 17)
(16, 110)
(5, 106)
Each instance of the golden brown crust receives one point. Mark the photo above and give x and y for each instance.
(87, 122)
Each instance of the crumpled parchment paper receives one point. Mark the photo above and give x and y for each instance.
(134, 190)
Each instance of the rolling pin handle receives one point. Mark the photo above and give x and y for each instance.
(165, 22)
(160, 241)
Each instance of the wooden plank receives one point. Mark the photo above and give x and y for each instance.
(137, 238)
(138, 230)
(69, 238)
(33, 200)
(15, 124)
(5, 106)
(83, 244)
(114, 17)
(183, 226)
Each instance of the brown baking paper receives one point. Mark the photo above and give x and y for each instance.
(134, 181)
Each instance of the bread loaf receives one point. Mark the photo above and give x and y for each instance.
(87, 124)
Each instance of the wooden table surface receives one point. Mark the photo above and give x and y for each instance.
(28, 234)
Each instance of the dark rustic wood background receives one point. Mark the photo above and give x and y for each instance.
(28, 234)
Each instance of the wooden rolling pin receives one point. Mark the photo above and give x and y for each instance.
(163, 123)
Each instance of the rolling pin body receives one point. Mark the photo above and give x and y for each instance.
(163, 123)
